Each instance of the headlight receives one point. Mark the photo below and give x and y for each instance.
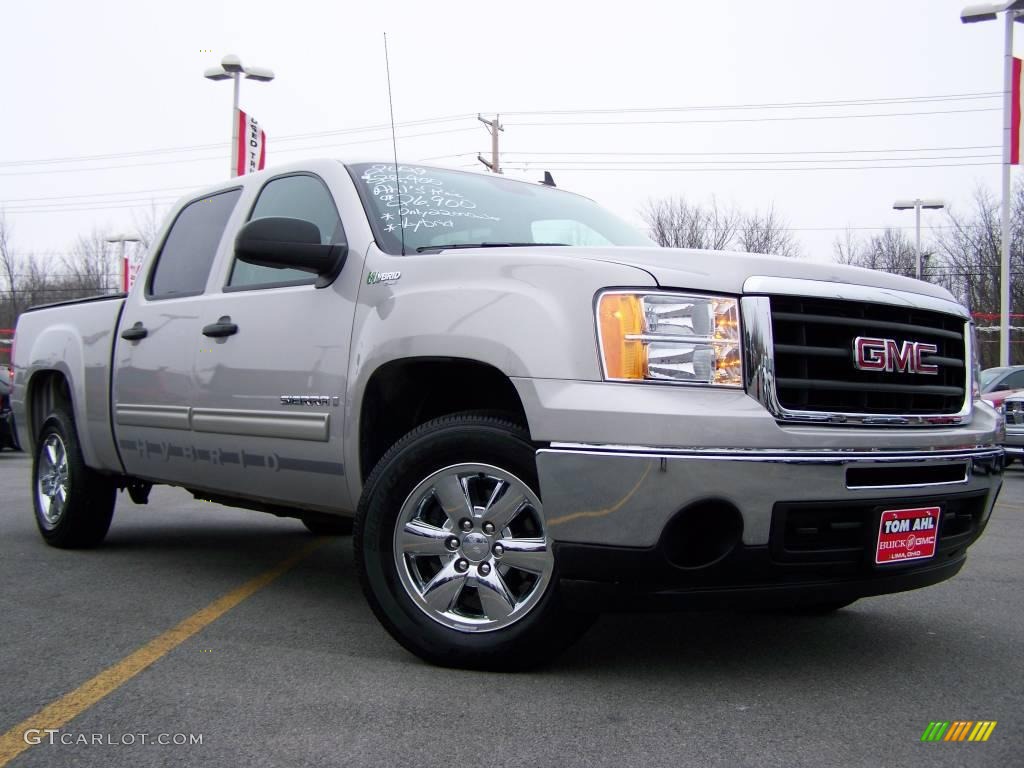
(670, 338)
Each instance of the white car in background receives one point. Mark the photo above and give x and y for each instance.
(1013, 409)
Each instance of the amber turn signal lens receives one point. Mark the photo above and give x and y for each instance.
(619, 315)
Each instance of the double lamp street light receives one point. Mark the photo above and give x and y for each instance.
(231, 69)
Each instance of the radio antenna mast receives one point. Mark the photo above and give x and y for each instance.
(394, 145)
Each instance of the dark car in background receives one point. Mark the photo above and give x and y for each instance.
(8, 436)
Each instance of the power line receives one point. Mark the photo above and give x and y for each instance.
(774, 152)
(205, 159)
(765, 162)
(768, 105)
(979, 95)
(788, 118)
(220, 145)
(772, 170)
(97, 194)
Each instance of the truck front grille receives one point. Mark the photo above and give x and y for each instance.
(814, 358)
(1015, 413)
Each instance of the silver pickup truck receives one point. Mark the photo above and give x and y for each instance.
(524, 411)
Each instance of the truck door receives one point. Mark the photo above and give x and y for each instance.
(154, 382)
(272, 366)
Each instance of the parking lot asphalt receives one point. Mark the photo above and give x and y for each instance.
(301, 674)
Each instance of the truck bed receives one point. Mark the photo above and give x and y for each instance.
(71, 337)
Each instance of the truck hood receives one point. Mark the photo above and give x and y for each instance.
(726, 272)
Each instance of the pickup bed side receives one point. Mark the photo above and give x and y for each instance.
(64, 355)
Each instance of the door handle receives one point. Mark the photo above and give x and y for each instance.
(223, 327)
(136, 332)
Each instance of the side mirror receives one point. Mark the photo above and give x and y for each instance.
(282, 243)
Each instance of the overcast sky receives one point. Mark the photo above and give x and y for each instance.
(113, 78)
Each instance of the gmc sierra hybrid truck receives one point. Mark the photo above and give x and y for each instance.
(523, 411)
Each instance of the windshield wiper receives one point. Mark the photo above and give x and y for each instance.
(425, 248)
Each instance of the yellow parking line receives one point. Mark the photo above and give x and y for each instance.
(71, 705)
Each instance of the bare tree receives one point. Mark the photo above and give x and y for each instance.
(766, 233)
(91, 266)
(8, 263)
(148, 224)
(891, 251)
(676, 223)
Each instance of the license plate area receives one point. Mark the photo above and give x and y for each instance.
(907, 535)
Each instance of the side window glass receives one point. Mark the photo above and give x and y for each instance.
(296, 197)
(187, 254)
(1014, 380)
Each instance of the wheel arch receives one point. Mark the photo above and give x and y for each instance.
(404, 393)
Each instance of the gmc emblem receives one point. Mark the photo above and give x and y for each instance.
(871, 354)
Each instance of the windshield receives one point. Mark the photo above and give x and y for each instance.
(989, 377)
(437, 207)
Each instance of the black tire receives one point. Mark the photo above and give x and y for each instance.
(543, 631)
(84, 514)
(328, 525)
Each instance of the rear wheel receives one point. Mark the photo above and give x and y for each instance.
(453, 549)
(73, 504)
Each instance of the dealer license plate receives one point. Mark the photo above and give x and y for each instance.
(907, 534)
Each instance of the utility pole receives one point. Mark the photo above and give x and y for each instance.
(493, 127)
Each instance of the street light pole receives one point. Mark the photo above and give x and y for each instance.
(231, 68)
(234, 123)
(1004, 261)
(970, 15)
(122, 239)
(917, 205)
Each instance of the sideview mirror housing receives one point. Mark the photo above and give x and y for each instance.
(279, 242)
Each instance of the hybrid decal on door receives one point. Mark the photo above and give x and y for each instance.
(382, 277)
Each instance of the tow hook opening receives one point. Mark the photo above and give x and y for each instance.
(702, 534)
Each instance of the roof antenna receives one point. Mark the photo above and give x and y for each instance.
(394, 145)
(549, 180)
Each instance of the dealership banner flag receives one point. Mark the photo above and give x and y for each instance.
(251, 152)
(1015, 110)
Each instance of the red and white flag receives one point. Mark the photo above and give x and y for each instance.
(251, 152)
(1015, 111)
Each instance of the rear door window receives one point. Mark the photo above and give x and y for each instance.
(184, 262)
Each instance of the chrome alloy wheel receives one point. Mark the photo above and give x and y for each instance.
(471, 548)
(52, 483)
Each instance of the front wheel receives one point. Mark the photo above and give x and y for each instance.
(73, 504)
(453, 548)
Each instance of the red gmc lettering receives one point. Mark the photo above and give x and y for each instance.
(873, 354)
(869, 354)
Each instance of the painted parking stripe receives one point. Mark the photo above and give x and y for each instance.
(71, 705)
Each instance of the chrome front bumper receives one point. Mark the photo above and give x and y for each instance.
(1014, 442)
(625, 496)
